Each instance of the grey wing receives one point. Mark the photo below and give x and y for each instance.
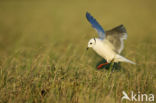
(116, 36)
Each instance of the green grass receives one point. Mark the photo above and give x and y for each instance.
(43, 55)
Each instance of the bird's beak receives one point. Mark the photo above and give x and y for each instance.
(87, 48)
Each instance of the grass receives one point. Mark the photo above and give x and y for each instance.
(43, 55)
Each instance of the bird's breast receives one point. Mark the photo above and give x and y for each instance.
(104, 50)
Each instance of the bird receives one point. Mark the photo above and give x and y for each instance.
(109, 44)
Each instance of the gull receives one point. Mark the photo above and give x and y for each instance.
(109, 44)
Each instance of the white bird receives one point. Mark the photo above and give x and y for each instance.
(109, 44)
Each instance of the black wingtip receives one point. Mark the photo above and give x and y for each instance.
(121, 28)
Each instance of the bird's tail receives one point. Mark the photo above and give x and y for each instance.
(123, 59)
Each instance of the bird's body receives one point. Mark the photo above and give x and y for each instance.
(110, 43)
(104, 49)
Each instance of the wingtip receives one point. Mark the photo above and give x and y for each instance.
(122, 28)
(88, 15)
(131, 62)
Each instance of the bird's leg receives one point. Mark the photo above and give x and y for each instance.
(101, 65)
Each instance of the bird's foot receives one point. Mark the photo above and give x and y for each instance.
(101, 65)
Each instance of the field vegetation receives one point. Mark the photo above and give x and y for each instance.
(43, 55)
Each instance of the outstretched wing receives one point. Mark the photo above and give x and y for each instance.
(96, 25)
(116, 37)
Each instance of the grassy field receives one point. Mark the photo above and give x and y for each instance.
(43, 55)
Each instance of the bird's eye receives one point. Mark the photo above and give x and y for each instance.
(90, 43)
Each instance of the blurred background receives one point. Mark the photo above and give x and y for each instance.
(43, 54)
(29, 23)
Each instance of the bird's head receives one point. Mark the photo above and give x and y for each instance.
(91, 43)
